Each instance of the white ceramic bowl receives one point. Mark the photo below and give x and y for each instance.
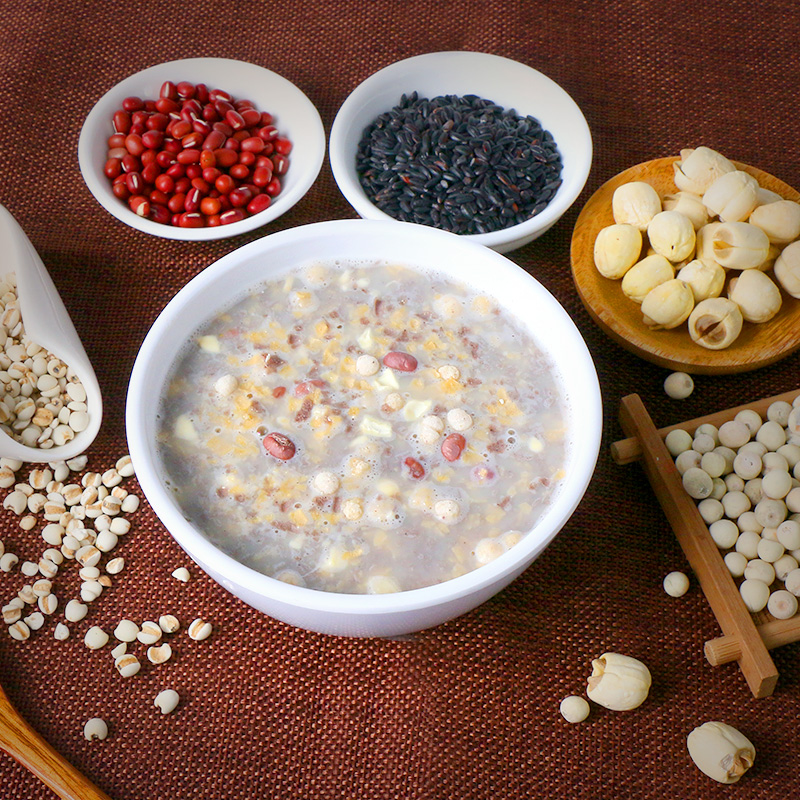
(295, 117)
(224, 281)
(506, 82)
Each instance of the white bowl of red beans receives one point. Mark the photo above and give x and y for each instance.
(201, 148)
(498, 158)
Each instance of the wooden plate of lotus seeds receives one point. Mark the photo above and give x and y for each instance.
(621, 318)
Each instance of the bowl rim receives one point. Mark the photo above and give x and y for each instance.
(345, 175)
(100, 115)
(235, 572)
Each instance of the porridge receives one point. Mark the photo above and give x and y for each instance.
(362, 428)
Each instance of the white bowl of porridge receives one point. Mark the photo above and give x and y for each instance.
(364, 428)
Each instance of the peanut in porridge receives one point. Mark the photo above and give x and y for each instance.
(363, 429)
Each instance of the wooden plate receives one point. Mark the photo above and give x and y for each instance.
(621, 318)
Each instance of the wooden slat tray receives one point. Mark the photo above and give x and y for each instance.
(746, 638)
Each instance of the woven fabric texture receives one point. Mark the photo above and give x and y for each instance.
(469, 709)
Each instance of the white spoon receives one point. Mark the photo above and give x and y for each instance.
(47, 323)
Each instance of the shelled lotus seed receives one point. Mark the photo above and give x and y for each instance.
(751, 504)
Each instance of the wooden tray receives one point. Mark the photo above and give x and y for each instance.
(621, 318)
(746, 637)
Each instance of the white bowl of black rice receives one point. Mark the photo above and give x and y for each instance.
(472, 143)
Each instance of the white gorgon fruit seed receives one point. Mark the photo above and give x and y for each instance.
(720, 751)
(618, 682)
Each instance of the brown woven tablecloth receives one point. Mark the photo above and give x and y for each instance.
(468, 710)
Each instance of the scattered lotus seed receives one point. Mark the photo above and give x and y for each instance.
(367, 365)
(678, 385)
(618, 682)
(782, 604)
(94, 729)
(720, 751)
(167, 701)
(676, 584)
(574, 709)
(181, 574)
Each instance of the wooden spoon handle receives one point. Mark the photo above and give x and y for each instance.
(25, 745)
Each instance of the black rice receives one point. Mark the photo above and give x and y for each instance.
(463, 164)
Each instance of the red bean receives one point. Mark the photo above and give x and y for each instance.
(415, 469)
(403, 362)
(190, 156)
(191, 220)
(150, 172)
(278, 391)
(239, 171)
(139, 205)
(261, 176)
(453, 446)
(175, 203)
(225, 158)
(165, 183)
(158, 197)
(166, 105)
(159, 213)
(193, 198)
(280, 164)
(130, 163)
(259, 203)
(240, 197)
(113, 167)
(132, 103)
(231, 216)
(273, 188)
(193, 139)
(153, 139)
(268, 133)
(157, 122)
(195, 156)
(134, 182)
(253, 144)
(185, 89)
(224, 184)
(122, 121)
(279, 446)
(210, 205)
